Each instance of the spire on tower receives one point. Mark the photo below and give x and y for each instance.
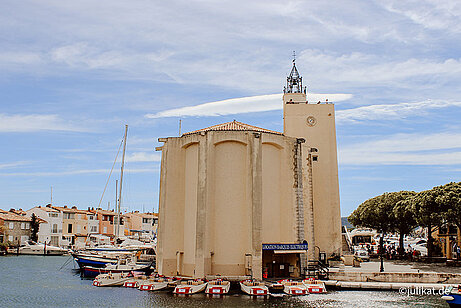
(294, 80)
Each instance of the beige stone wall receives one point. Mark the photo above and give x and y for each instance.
(222, 195)
(321, 136)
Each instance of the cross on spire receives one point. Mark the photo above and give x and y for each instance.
(294, 80)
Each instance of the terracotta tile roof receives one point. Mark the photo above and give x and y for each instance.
(9, 216)
(103, 212)
(48, 209)
(234, 126)
(69, 210)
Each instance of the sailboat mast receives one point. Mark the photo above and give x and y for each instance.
(120, 188)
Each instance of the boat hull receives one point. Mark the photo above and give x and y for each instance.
(184, 289)
(453, 300)
(89, 271)
(217, 289)
(153, 286)
(315, 286)
(111, 280)
(93, 261)
(254, 290)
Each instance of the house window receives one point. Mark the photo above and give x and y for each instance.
(23, 225)
(94, 229)
(11, 225)
(146, 220)
(54, 229)
(105, 229)
(27, 226)
(53, 214)
(54, 240)
(69, 228)
(91, 217)
(69, 215)
(10, 238)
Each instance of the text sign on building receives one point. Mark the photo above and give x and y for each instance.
(285, 246)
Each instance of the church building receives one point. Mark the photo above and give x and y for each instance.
(236, 199)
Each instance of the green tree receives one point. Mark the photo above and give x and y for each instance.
(451, 198)
(403, 215)
(430, 210)
(375, 213)
(34, 227)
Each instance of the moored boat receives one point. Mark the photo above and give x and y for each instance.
(190, 287)
(254, 287)
(32, 248)
(454, 298)
(89, 271)
(292, 287)
(111, 279)
(155, 283)
(217, 287)
(314, 285)
(93, 260)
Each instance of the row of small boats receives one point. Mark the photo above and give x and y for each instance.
(212, 287)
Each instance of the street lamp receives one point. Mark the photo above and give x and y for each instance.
(381, 248)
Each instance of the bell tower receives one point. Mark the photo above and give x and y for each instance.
(315, 123)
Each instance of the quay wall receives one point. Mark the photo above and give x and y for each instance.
(396, 277)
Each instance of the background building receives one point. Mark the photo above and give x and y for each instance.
(51, 232)
(137, 223)
(14, 228)
(236, 199)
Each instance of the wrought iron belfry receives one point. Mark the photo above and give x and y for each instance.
(294, 81)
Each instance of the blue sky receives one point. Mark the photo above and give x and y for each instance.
(72, 73)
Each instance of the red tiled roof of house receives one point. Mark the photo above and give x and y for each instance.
(69, 210)
(103, 212)
(9, 216)
(48, 209)
(234, 126)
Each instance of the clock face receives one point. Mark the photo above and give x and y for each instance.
(311, 121)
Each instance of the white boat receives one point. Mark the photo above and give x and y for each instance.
(314, 285)
(292, 287)
(155, 284)
(217, 287)
(254, 288)
(111, 279)
(32, 248)
(190, 287)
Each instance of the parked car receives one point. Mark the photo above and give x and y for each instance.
(362, 254)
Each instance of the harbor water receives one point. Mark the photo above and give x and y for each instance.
(37, 281)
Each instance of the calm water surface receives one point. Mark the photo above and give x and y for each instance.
(36, 281)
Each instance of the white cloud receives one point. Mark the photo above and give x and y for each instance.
(78, 172)
(12, 165)
(36, 122)
(405, 149)
(391, 111)
(143, 157)
(431, 14)
(242, 105)
(83, 56)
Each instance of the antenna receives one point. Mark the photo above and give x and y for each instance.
(179, 127)
(294, 56)
(51, 195)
